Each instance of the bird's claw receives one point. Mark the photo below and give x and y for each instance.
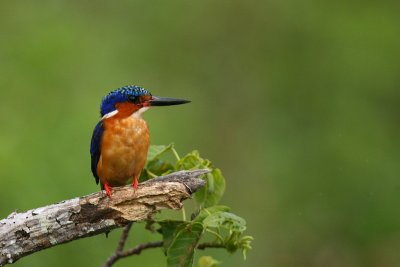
(108, 190)
(135, 183)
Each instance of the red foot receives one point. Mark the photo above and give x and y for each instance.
(108, 190)
(135, 183)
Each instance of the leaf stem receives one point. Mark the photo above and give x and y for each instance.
(216, 234)
(119, 254)
(183, 214)
(151, 174)
(175, 154)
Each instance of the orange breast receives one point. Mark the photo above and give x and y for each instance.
(124, 149)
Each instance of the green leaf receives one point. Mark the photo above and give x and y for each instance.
(205, 212)
(226, 220)
(156, 166)
(159, 167)
(235, 241)
(217, 217)
(245, 244)
(207, 261)
(181, 251)
(181, 237)
(192, 161)
(156, 150)
(168, 230)
(213, 191)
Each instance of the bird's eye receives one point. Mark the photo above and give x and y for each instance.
(134, 99)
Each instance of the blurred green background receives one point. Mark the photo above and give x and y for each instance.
(298, 102)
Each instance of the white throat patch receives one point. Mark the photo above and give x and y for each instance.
(138, 113)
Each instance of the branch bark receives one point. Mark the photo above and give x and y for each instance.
(24, 233)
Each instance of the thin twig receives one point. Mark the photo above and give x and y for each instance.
(124, 236)
(133, 251)
(138, 249)
(210, 245)
(117, 254)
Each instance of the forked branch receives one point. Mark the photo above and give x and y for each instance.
(120, 253)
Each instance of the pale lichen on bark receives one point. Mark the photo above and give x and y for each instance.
(25, 233)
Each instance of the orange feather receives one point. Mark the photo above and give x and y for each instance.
(124, 146)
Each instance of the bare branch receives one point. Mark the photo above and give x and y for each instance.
(24, 233)
(124, 236)
(138, 249)
(118, 252)
(210, 245)
(133, 251)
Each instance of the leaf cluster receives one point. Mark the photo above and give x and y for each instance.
(182, 237)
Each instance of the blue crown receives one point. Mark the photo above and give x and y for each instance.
(121, 94)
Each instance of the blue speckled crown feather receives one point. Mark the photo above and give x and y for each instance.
(121, 94)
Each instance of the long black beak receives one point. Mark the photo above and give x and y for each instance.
(166, 101)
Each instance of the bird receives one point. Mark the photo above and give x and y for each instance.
(121, 139)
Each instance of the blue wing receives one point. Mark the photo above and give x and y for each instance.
(95, 146)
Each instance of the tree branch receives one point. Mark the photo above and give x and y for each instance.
(210, 245)
(113, 258)
(119, 254)
(133, 251)
(24, 233)
(123, 237)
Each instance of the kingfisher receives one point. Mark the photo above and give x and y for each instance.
(121, 138)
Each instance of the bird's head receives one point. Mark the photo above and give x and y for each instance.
(132, 99)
